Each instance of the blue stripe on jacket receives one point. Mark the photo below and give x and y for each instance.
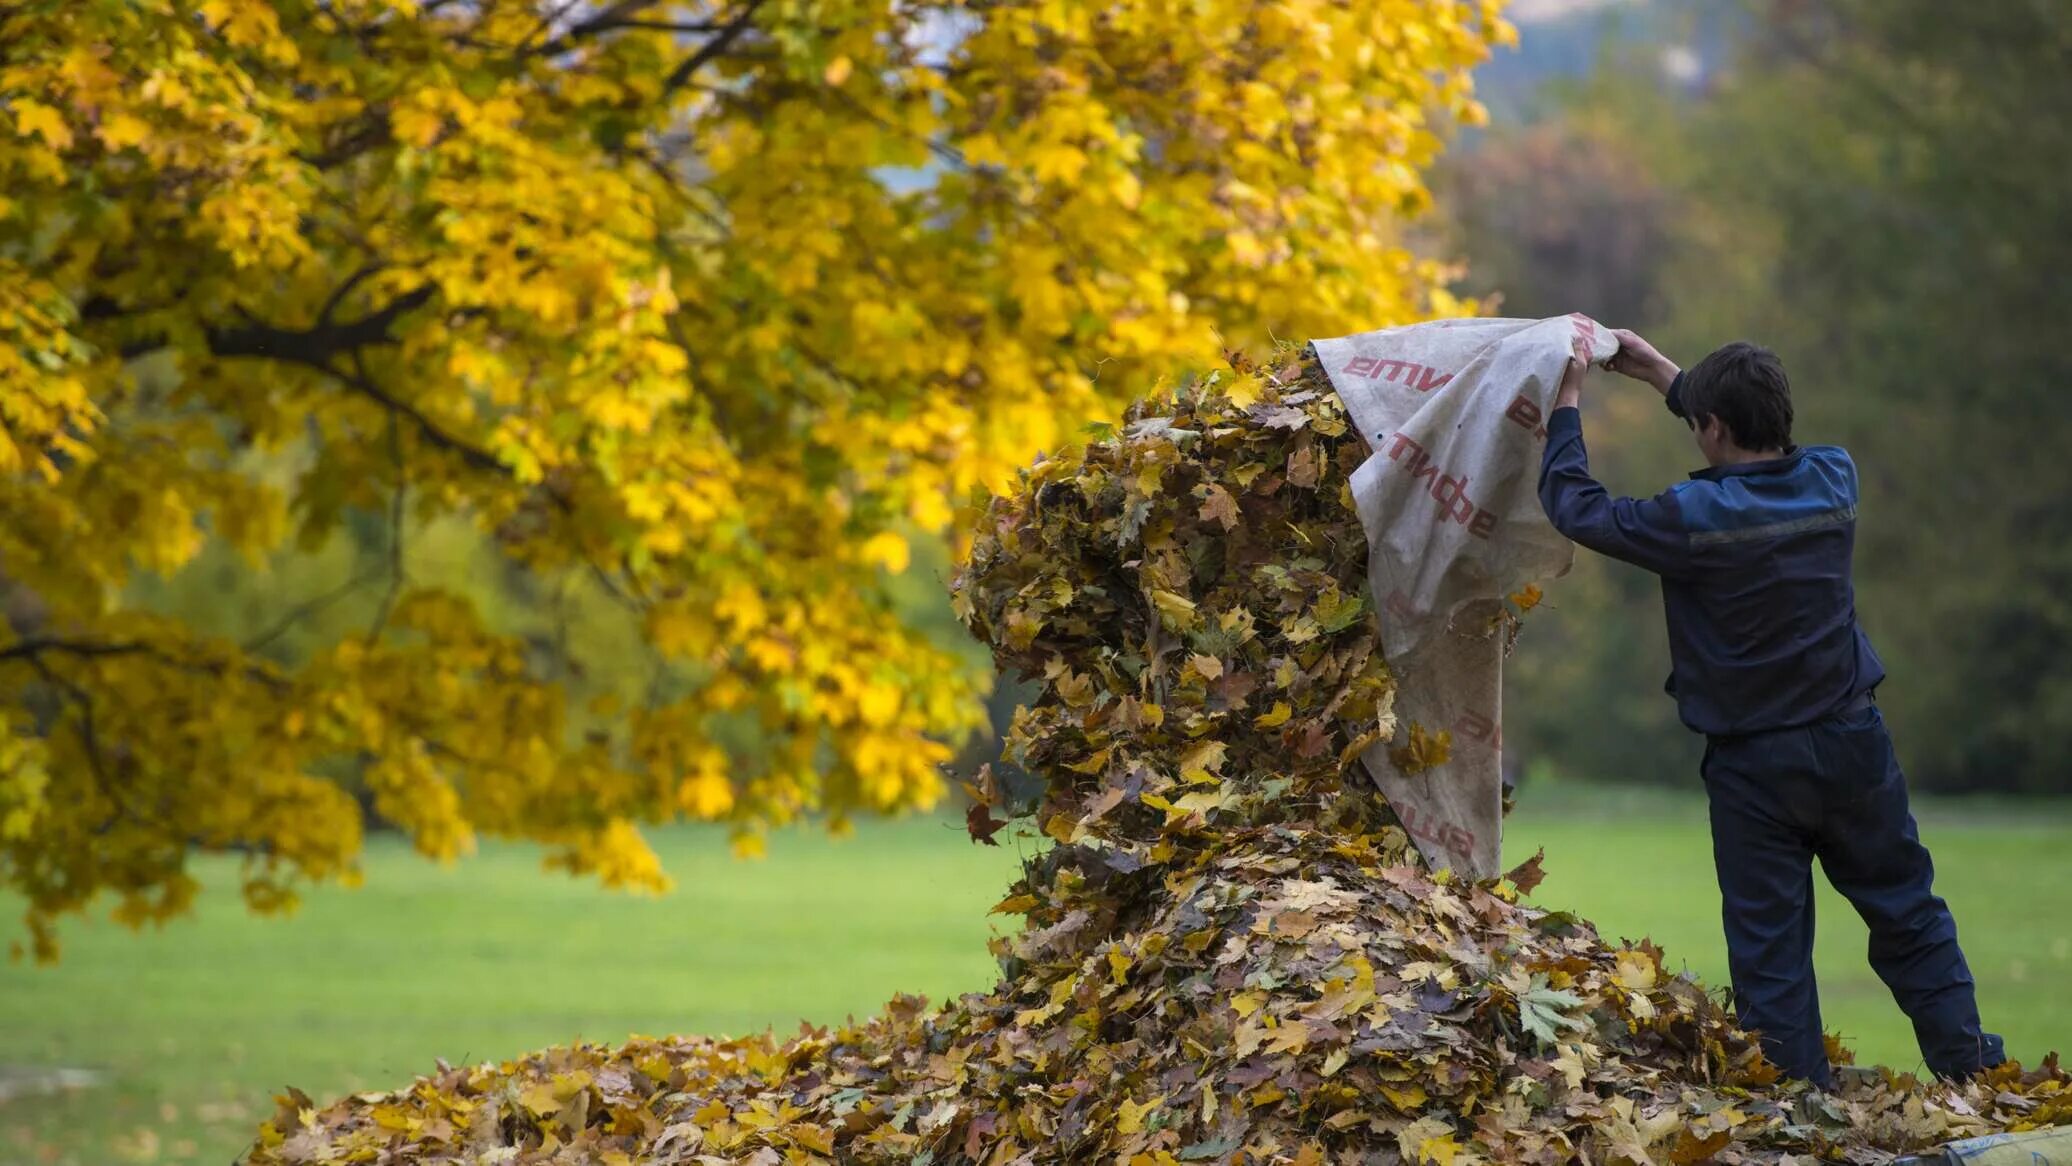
(1755, 567)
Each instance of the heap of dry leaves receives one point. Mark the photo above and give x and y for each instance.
(1231, 954)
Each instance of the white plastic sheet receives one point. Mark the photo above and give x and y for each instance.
(1455, 412)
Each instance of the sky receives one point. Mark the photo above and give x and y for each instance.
(1537, 11)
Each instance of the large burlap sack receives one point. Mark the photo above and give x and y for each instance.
(1455, 412)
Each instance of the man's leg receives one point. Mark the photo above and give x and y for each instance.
(1763, 852)
(1872, 853)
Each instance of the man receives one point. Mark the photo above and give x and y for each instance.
(1768, 662)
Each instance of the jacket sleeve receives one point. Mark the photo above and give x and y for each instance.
(1674, 397)
(1647, 532)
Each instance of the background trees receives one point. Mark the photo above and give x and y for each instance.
(1858, 184)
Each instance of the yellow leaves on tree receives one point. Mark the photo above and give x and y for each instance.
(700, 311)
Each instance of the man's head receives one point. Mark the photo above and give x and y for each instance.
(1738, 403)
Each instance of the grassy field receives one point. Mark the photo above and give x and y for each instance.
(190, 1029)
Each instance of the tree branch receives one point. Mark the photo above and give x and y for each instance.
(316, 347)
(430, 430)
(32, 649)
(325, 340)
(395, 547)
(338, 294)
(89, 741)
(621, 15)
(373, 132)
(305, 609)
(711, 50)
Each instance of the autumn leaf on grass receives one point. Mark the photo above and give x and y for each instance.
(1544, 1010)
(1423, 750)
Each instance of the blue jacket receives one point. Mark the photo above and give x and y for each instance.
(1754, 560)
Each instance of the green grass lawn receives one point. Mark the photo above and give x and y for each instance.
(193, 1027)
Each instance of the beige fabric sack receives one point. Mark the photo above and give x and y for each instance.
(1455, 413)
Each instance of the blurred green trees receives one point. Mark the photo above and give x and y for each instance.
(1874, 189)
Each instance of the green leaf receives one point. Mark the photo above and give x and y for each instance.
(1544, 1010)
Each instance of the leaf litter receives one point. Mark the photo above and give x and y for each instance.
(1232, 954)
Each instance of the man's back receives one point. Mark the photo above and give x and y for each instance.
(1762, 621)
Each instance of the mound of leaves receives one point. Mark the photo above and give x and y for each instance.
(1231, 953)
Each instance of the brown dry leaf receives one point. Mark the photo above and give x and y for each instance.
(1528, 875)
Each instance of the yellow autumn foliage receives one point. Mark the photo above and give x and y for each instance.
(708, 307)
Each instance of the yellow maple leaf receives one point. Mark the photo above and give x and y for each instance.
(34, 117)
(887, 549)
(1636, 971)
(122, 130)
(1175, 610)
(1129, 1115)
(1428, 1140)
(1423, 750)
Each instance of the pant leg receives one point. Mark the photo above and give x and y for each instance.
(1871, 851)
(1762, 847)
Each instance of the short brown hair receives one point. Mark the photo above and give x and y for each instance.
(1744, 386)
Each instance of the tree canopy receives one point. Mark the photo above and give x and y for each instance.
(708, 309)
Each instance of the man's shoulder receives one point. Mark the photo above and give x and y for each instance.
(1815, 489)
(1834, 464)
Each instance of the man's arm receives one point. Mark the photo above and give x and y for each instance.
(1640, 360)
(1647, 532)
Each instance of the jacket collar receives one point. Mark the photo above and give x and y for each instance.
(1793, 455)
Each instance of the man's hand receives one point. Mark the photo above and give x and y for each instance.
(1570, 395)
(1638, 359)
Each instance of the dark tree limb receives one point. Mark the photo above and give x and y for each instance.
(396, 519)
(620, 15)
(713, 49)
(308, 608)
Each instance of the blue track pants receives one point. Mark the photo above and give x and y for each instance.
(1833, 790)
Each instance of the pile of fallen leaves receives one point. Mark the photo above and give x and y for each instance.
(1231, 954)
(1190, 590)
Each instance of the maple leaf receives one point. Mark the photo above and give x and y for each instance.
(1545, 1011)
(1130, 1115)
(1636, 972)
(1422, 750)
(1304, 467)
(1528, 875)
(1689, 1149)
(1428, 1140)
(980, 823)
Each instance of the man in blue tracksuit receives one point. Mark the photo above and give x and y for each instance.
(1768, 662)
